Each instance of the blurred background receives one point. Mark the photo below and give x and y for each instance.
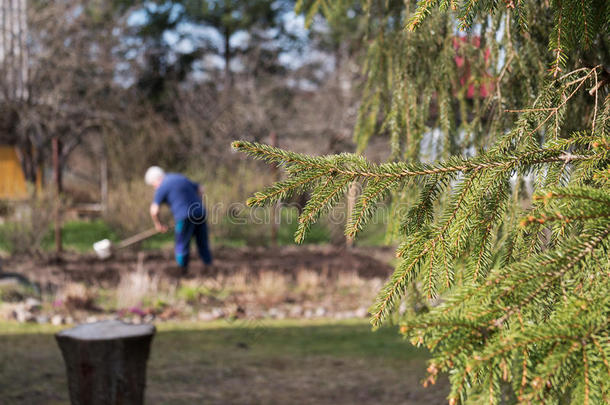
(118, 86)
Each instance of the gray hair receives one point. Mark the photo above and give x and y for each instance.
(153, 174)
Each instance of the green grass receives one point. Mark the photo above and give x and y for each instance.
(159, 241)
(239, 362)
(242, 232)
(349, 338)
(79, 235)
(252, 227)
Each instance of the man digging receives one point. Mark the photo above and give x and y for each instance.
(184, 198)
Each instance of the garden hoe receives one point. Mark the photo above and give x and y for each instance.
(104, 247)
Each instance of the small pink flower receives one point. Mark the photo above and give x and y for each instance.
(137, 311)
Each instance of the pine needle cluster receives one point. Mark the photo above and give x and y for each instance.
(531, 311)
(515, 297)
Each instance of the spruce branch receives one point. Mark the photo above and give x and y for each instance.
(283, 189)
(374, 191)
(357, 167)
(566, 258)
(518, 306)
(323, 198)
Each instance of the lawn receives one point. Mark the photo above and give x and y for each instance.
(239, 362)
(79, 235)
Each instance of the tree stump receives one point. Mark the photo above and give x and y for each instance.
(106, 362)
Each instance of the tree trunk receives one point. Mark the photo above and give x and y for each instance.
(28, 159)
(227, 57)
(104, 180)
(58, 190)
(106, 362)
(13, 49)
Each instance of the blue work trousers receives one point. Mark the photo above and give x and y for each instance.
(185, 230)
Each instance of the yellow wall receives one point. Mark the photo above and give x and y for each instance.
(12, 181)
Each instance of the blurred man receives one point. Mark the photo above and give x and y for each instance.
(184, 198)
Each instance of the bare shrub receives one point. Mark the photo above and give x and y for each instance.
(134, 288)
(237, 282)
(224, 200)
(31, 221)
(128, 204)
(76, 296)
(308, 280)
(271, 287)
(6, 209)
(152, 140)
(350, 280)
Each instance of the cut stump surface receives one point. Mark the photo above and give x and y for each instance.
(106, 362)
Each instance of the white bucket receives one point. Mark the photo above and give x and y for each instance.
(103, 248)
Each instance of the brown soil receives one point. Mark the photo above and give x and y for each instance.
(329, 261)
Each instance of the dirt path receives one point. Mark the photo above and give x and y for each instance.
(88, 269)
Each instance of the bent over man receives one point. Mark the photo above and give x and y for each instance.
(184, 198)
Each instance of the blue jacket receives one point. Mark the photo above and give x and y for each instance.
(182, 196)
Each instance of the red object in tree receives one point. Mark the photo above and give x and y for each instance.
(482, 86)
